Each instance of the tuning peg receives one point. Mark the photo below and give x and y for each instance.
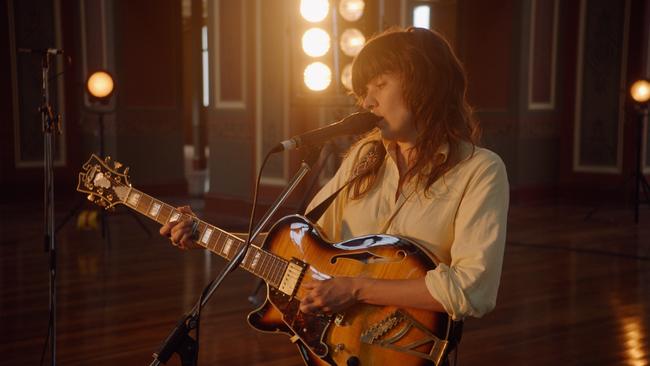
(117, 165)
(126, 171)
(91, 198)
(107, 160)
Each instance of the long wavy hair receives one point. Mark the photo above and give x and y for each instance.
(435, 90)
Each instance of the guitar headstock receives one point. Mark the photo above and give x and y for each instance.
(106, 181)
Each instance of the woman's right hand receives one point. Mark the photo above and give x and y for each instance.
(180, 232)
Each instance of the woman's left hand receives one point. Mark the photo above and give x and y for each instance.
(330, 296)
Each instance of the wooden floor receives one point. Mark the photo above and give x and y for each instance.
(573, 292)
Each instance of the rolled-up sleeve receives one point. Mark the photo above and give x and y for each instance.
(468, 286)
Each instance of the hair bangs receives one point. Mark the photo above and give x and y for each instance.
(377, 57)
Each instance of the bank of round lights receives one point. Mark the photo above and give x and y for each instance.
(316, 41)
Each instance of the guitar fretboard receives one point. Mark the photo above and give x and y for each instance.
(261, 263)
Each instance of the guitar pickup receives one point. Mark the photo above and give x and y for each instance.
(292, 276)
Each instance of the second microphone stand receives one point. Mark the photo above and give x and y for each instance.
(179, 341)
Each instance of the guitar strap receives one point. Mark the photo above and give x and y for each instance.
(315, 213)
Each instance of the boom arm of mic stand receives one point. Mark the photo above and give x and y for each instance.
(179, 340)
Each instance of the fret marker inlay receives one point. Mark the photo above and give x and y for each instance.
(206, 236)
(256, 259)
(175, 216)
(155, 209)
(226, 247)
(134, 198)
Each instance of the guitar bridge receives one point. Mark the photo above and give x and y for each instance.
(388, 331)
(292, 276)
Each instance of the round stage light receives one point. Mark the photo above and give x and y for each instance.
(352, 40)
(315, 42)
(100, 84)
(640, 91)
(351, 10)
(317, 76)
(314, 10)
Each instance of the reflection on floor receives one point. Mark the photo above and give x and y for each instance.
(573, 292)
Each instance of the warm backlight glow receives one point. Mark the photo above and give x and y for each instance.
(351, 10)
(346, 76)
(318, 76)
(640, 91)
(352, 40)
(315, 42)
(422, 16)
(100, 84)
(314, 10)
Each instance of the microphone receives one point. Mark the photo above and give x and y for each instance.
(353, 124)
(51, 51)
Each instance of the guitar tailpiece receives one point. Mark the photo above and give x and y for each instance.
(389, 331)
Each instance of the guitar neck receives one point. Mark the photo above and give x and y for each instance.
(259, 262)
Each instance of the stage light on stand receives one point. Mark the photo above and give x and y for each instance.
(314, 10)
(100, 85)
(640, 91)
(640, 94)
(315, 42)
(317, 76)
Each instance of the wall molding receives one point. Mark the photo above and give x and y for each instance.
(550, 104)
(216, 42)
(605, 169)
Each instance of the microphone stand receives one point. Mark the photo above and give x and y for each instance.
(179, 340)
(51, 125)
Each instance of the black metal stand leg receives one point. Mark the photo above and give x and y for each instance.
(646, 189)
(639, 179)
(140, 222)
(73, 211)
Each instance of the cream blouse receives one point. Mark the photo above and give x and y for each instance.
(462, 222)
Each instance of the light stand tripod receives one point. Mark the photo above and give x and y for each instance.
(639, 178)
(640, 93)
(100, 88)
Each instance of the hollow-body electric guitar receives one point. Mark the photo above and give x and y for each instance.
(293, 252)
